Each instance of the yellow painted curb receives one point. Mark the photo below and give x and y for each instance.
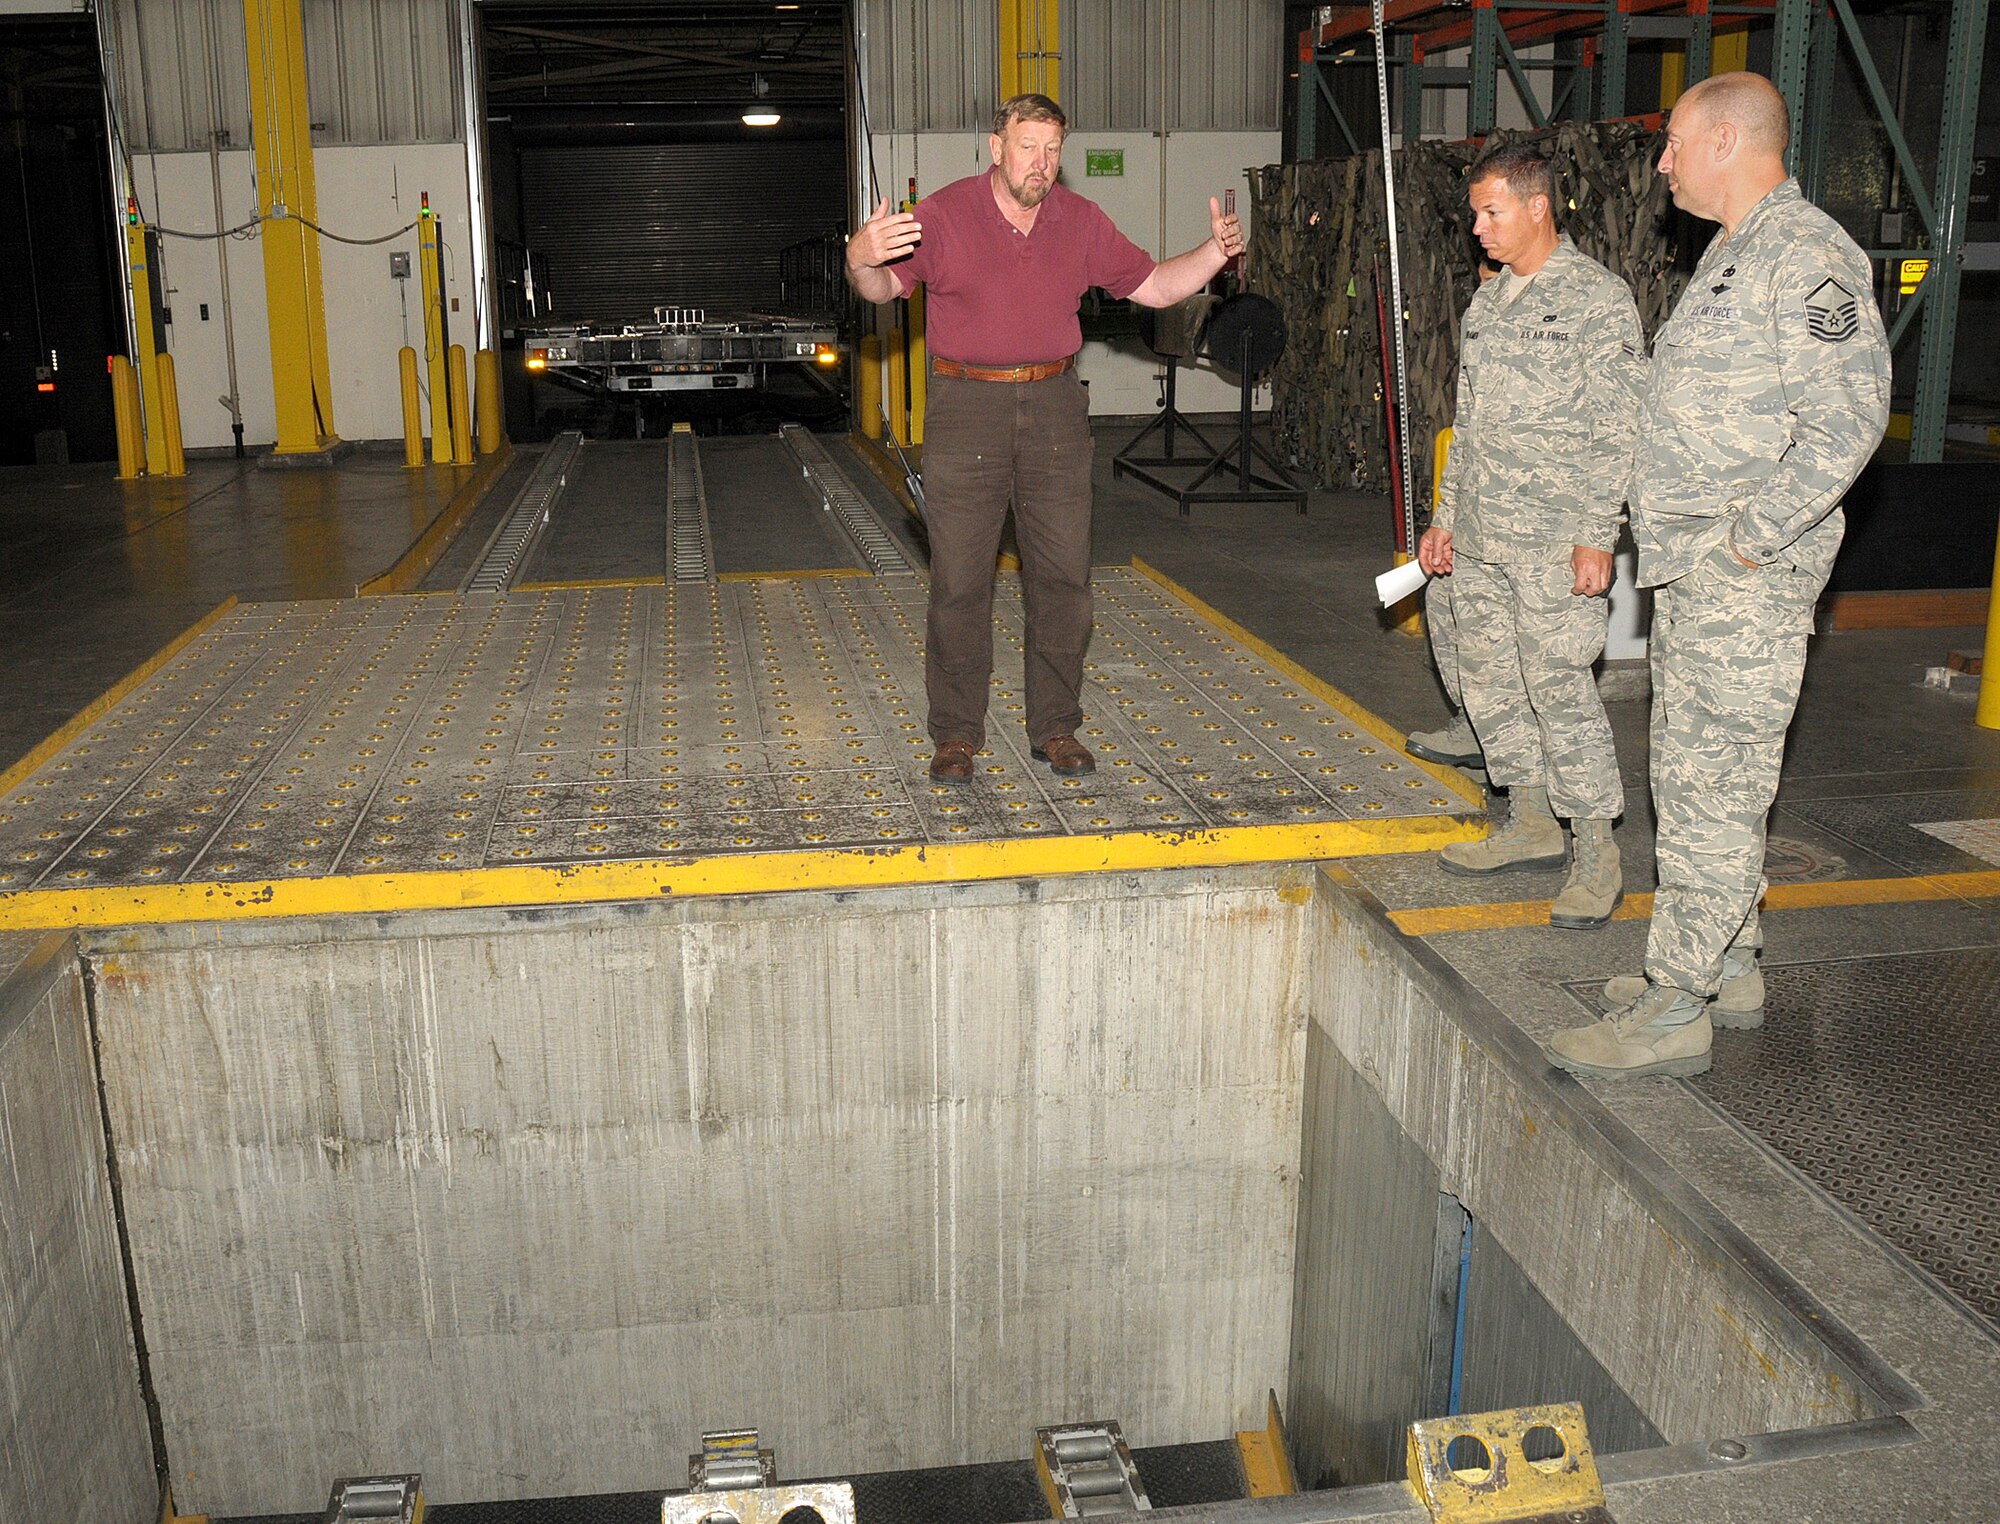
(793, 576)
(1441, 920)
(745, 873)
(105, 702)
(416, 562)
(560, 585)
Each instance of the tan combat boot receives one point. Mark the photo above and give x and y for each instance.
(1665, 1031)
(1738, 1005)
(1453, 746)
(1596, 883)
(1531, 839)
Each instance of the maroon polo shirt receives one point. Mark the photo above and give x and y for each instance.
(996, 296)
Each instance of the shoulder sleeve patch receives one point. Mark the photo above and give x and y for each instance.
(1831, 314)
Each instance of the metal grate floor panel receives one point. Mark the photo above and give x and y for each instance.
(1876, 1078)
(569, 726)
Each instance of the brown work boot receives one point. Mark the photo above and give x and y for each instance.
(952, 763)
(1738, 1005)
(1531, 839)
(1066, 755)
(1595, 885)
(1665, 1031)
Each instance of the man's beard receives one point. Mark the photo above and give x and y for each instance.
(1029, 196)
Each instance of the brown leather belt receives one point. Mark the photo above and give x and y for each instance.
(942, 367)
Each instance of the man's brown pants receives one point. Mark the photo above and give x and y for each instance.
(988, 443)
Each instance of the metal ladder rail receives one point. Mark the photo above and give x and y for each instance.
(826, 481)
(689, 556)
(514, 537)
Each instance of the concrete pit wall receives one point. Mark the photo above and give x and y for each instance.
(525, 1203)
(73, 1434)
(1670, 1325)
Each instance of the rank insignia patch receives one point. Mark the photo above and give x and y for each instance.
(1831, 315)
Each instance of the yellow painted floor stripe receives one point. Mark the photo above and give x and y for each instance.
(559, 585)
(1450, 777)
(744, 873)
(416, 562)
(1442, 920)
(98, 707)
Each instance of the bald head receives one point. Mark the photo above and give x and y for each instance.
(1748, 102)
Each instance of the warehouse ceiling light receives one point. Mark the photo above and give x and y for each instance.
(757, 114)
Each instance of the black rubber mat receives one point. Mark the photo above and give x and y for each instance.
(1877, 1078)
(1002, 1492)
(1176, 1475)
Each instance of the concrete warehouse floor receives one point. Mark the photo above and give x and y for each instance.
(1854, 1138)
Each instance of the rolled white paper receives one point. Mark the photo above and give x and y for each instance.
(1395, 586)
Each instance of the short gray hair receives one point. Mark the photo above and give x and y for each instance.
(1027, 108)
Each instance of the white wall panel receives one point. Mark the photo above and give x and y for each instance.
(363, 191)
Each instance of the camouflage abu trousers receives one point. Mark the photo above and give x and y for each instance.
(1729, 650)
(1525, 648)
(1441, 624)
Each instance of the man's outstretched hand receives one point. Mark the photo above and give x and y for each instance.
(885, 236)
(1224, 229)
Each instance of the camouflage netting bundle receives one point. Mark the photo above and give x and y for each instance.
(1322, 243)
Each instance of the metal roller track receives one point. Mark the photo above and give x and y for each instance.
(688, 549)
(507, 552)
(837, 495)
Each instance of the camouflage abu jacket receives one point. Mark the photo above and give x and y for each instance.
(1548, 397)
(1769, 391)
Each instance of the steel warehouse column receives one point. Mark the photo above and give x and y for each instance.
(1413, 89)
(1485, 68)
(1700, 44)
(281, 131)
(1305, 108)
(1813, 124)
(1029, 56)
(1791, 50)
(1617, 47)
(1964, 53)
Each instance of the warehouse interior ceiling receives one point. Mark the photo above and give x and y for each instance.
(681, 53)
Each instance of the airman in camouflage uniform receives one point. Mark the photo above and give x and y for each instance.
(1528, 512)
(1769, 392)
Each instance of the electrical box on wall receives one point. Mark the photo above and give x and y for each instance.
(399, 266)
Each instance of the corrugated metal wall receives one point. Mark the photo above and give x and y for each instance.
(625, 229)
(1219, 60)
(378, 71)
(933, 65)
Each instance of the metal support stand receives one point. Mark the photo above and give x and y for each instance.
(1240, 456)
(1169, 423)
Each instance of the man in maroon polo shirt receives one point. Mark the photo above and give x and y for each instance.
(1006, 257)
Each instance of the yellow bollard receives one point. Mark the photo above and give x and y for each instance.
(461, 415)
(1988, 712)
(1408, 616)
(413, 416)
(868, 386)
(919, 367)
(898, 358)
(486, 400)
(125, 418)
(170, 417)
